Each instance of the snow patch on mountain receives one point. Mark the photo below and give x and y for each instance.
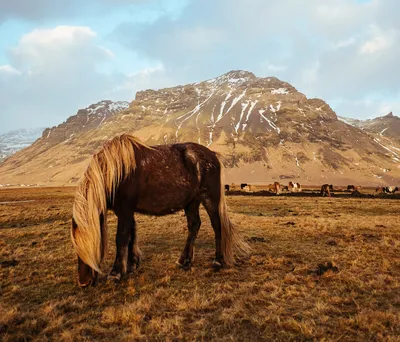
(16, 140)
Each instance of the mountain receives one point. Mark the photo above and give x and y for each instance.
(16, 140)
(264, 128)
(387, 126)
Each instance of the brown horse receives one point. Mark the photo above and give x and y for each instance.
(126, 176)
(275, 187)
(326, 190)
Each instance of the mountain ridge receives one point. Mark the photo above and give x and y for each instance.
(265, 129)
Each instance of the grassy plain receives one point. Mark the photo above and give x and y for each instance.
(277, 293)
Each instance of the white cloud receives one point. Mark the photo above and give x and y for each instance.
(333, 50)
(380, 40)
(147, 78)
(343, 51)
(343, 43)
(43, 50)
(8, 69)
(52, 73)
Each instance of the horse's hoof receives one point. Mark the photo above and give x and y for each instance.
(185, 265)
(132, 268)
(114, 276)
(217, 265)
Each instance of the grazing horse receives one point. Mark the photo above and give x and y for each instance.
(226, 187)
(326, 190)
(127, 176)
(379, 189)
(252, 188)
(276, 187)
(249, 188)
(353, 188)
(390, 189)
(294, 187)
(243, 185)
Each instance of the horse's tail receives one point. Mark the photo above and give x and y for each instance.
(232, 243)
(108, 168)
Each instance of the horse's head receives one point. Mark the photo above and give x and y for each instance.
(86, 275)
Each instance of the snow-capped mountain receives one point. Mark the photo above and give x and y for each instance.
(16, 140)
(265, 129)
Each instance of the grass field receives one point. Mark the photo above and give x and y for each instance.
(277, 293)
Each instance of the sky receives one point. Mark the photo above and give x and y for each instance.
(57, 56)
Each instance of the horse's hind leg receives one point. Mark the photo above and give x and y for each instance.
(123, 238)
(212, 208)
(135, 254)
(194, 222)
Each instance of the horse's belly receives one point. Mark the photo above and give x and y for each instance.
(165, 196)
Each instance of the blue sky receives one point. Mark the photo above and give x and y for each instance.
(58, 56)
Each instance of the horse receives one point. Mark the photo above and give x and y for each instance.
(326, 190)
(128, 177)
(276, 187)
(249, 188)
(390, 189)
(243, 185)
(379, 189)
(294, 187)
(354, 188)
(227, 187)
(252, 188)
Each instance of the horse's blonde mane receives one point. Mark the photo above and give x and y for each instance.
(113, 163)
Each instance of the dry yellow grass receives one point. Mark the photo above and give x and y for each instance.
(274, 294)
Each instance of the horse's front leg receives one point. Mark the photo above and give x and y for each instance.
(135, 253)
(123, 238)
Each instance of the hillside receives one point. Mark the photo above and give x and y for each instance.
(265, 129)
(384, 126)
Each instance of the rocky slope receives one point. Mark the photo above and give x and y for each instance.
(384, 126)
(265, 129)
(16, 140)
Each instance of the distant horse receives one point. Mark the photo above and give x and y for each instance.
(353, 188)
(243, 185)
(390, 189)
(326, 190)
(276, 187)
(249, 188)
(127, 176)
(227, 187)
(379, 189)
(294, 187)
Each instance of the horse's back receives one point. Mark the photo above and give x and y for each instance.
(168, 177)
